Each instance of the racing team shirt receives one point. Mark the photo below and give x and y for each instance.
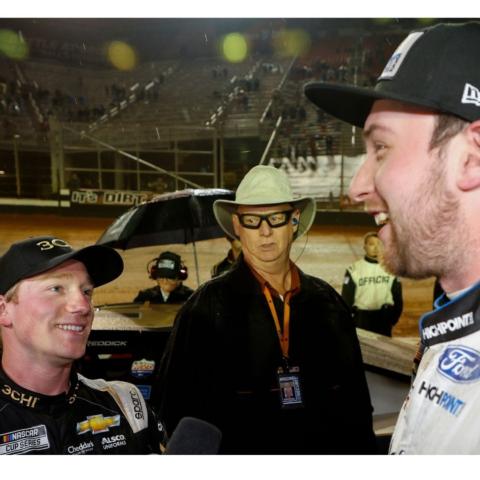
(94, 417)
(441, 412)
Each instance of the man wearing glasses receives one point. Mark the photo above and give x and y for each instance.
(266, 352)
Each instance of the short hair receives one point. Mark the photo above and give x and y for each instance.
(11, 295)
(446, 127)
(368, 235)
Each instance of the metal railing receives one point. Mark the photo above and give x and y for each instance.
(28, 174)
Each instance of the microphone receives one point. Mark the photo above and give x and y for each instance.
(194, 437)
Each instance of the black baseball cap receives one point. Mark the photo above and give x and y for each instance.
(436, 67)
(168, 265)
(38, 254)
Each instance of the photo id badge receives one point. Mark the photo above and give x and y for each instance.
(290, 391)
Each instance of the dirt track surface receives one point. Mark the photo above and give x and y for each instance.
(325, 252)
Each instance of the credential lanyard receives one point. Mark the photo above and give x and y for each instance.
(284, 337)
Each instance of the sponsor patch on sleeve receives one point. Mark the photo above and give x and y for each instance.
(460, 364)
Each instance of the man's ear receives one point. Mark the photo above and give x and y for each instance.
(4, 320)
(468, 177)
(236, 225)
(295, 220)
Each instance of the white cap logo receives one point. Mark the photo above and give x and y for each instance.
(166, 263)
(471, 95)
(398, 56)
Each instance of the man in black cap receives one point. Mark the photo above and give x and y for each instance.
(169, 272)
(421, 181)
(46, 315)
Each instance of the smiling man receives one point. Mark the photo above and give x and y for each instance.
(46, 314)
(266, 352)
(421, 181)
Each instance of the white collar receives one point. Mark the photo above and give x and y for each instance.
(165, 295)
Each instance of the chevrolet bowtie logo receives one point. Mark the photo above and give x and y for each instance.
(97, 424)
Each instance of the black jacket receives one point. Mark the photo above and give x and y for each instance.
(221, 360)
(154, 295)
(223, 265)
(95, 417)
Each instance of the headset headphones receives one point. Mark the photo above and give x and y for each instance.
(178, 267)
(295, 221)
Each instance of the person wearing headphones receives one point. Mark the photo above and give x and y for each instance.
(169, 272)
(264, 351)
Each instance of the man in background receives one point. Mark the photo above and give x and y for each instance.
(230, 259)
(169, 272)
(374, 295)
(266, 352)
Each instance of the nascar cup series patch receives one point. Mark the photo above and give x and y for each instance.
(24, 440)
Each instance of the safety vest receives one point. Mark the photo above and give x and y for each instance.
(373, 285)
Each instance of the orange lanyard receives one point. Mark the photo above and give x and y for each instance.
(282, 336)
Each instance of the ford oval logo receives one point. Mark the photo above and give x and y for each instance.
(460, 364)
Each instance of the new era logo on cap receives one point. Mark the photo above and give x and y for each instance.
(471, 95)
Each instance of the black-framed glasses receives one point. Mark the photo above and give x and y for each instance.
(274, 220)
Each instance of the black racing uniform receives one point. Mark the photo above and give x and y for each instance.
(154, 295)
(93, 417)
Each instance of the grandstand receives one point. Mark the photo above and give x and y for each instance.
(185, 114)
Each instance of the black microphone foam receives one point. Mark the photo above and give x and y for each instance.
(194, 437)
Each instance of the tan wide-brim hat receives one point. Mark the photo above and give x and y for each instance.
(264, 185)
